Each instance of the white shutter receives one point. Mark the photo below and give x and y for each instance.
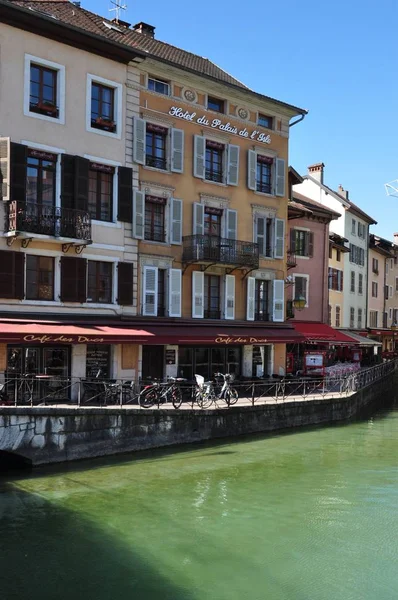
(5, 158)
(175, 292)
(176, 221)
(138, 214)
(150, 292)
(280, 177)
(198, 279)
(177, 150)
(229, 312)
(139, 140)
(279, 249)
(232, 224)
(260, 235)
(233, 165)
(199, 152)
(278, 300)
(198, 218)
(251, 169)
(251, 287)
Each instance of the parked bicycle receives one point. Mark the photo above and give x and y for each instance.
(160, 393)
(208, 392)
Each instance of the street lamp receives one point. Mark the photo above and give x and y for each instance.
(300, 302)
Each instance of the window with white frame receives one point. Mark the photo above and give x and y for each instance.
(215, 161)
(159, 86)
(44, 89)
(338, 316)
(265, 173)
(269, 234)
(390, 313)
(104, 106)
(301, 288)
(360, 284)
(161, 291)
(361, 230)
(158, 146)
(387, 265)
(157, 217)
(374, 289)
(396, 284)
(352, 317)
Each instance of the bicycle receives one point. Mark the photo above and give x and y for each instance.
(159, 393)
(206, 393)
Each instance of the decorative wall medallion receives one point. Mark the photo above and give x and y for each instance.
(189, 95)
(242, 113)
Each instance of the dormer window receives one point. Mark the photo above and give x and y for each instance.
(215, 104)
(159, 86)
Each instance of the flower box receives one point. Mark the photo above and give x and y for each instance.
(105, 124)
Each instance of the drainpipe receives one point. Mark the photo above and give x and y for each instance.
(325, 315)
(301, 118)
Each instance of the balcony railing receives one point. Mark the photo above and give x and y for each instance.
(28, 217)
(213, 249)
(291, 259)
(156, 162)
(212, 314)
(262, 316)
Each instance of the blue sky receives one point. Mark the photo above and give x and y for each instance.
(338, 59)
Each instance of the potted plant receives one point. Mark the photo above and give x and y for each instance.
(104, 123)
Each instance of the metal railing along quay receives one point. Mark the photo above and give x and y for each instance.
(36, 390)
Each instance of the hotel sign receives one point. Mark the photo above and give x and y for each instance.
(185, 115)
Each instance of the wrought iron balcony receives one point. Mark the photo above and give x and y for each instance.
(262, 316)
(213, 249)
(32, 218)
(291, 259)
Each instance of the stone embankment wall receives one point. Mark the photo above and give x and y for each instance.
(47, 435)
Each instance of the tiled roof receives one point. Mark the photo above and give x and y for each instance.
(78, 17)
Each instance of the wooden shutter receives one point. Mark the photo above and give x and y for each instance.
(125, 194)
(177, 150)
(199, 152)
(67, 181)
(198, 218)
(150, 292)
(310, 244)
(18, 172)
(251, 289)
(278, 300)
(251, 169)
(229, 311)
(139, 140)
(125, 272)
(73, 279)
(232, 224)
(175, 280)
(279, 249)
(260, 235)
(280, 177)
(198, 279)
(292, 241)
(5, 166)
(12, 269)
(233, 165)
(176, 221)
(81, 183)
(138, 214)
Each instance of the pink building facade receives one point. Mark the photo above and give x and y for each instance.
(308, 257)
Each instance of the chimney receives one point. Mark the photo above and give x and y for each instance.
(316, 171)
(121, 23)
(342, 192)
(145, 29)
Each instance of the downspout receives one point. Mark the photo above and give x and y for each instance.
(301, 118)
(325, 310)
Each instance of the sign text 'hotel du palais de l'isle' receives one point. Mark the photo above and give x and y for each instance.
(255, 135)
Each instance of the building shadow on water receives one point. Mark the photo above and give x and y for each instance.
(48, 553)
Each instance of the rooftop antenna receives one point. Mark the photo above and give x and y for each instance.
(392, 188)
(117, 9)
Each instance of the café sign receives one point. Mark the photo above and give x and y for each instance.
(241, 340)
(255, 135)
(62, 339)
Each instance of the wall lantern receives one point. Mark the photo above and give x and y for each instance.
(299, 303)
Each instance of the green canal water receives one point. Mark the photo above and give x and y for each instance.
(305, 515)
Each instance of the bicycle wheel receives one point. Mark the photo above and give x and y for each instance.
(148, 397)
(204, 399)
(231, 396)
(176, 396)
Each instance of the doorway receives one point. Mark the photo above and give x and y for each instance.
(152, 362)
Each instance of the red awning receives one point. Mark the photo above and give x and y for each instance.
(385, 332)
(59, 333)
(322, 333)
